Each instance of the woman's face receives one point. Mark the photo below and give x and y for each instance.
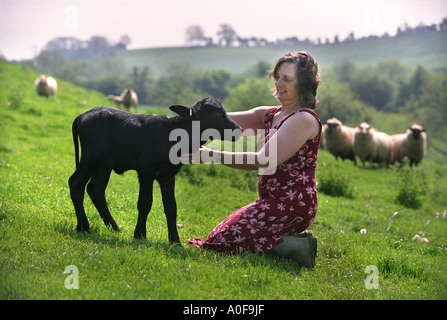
(286, 83)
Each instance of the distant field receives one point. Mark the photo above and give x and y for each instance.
(429, 50)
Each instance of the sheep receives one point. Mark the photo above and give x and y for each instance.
(117, 140)
(372, 145)
(323, 135)
(45, 86)
(411, 144)
(339, 140)
(128, 98)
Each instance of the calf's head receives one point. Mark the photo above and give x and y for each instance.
(213, 119)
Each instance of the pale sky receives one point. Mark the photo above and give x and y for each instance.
(27, 25)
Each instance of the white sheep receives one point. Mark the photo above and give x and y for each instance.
(339, 139)
(45, 86)
(372, 145)
(411, 144)
(128, 98)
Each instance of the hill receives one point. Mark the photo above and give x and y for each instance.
(40, 249)
(428, 49)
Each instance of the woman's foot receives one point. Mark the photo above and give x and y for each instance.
(300, 247)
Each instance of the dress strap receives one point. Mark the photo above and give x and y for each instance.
(268, 118)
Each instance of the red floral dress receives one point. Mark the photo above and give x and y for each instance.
(287, 203)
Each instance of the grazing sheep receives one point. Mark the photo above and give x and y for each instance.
(45, 86)
(372, 145)
(323, 134)
(117, 140)
(339, 139)
(128, 98)
(411, 144)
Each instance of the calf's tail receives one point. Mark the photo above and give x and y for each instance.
(74, 130)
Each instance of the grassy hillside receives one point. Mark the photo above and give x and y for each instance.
(429, 50)
(38, 240)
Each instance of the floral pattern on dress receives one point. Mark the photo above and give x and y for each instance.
(287, 203)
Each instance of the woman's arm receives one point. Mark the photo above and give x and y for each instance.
(251, 119)
(281, 146)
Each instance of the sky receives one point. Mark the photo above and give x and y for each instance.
(27, 25)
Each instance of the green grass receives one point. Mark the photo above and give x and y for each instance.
(38, 238)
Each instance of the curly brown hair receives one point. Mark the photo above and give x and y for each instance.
(307, 74)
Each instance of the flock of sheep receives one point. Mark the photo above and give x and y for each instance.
(47, 86)
(364, 141)
(369, 144)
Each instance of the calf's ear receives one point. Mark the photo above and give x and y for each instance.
(183, 111)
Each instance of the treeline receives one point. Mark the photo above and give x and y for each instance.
(227, 36)
(71, 48)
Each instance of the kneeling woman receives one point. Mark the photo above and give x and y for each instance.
(287, 202)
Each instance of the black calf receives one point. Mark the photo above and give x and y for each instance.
(116, 140)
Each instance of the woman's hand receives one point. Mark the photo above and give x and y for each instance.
(203, 155)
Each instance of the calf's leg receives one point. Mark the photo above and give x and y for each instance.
(170, 206)
(144, 204)
(77, 183)
(96, 190)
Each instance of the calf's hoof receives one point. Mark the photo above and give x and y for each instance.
(139, 235)
(176, 242)
(82, 228)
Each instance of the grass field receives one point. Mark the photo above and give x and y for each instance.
(38, 240)
(429, 50)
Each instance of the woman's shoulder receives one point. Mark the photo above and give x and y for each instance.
(306, 119)
(310, 112)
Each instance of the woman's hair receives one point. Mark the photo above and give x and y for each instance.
(307, 74)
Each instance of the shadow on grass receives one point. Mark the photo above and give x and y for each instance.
(115, 239)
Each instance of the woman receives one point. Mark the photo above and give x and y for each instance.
(287, 201)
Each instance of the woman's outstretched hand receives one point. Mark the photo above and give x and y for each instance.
(203, 155)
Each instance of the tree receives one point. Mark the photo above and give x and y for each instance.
(338, 100)
(50, 61)
(97, 45)
(249, 94)
(259, 70)
(124, 42)
(372, 88)
(195, 35)
(443, 25)
(336, 39)
(140, 82)
(226, 35)
(414, 87)
(344, 71)
(429, 107)
(68, 46)
(214, 83)
(350, 38)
